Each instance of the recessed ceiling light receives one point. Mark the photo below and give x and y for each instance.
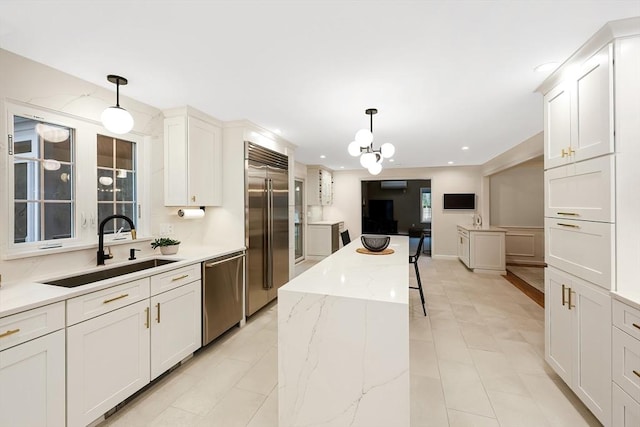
(546, 67)
(392, 160)
(450, 163)
(465, 148)
(341, 167)
(322, 156)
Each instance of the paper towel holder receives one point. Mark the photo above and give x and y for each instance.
(182, 213)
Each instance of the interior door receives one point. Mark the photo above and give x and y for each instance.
(256, 235)
(279, 180)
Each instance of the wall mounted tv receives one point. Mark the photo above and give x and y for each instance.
(459, 201)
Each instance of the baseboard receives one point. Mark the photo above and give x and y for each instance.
(520, 263)
(446, 257)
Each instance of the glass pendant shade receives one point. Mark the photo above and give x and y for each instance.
(375, 168)
(117, 120)
(364, 137)
(367, 159)
(387, 150)
(354, 149)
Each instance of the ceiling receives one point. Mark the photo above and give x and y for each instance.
(442, 74)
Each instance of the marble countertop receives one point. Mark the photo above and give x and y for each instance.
(471, 227)
(323, 222)
(347, 273)
(20, 296)
(630, 298)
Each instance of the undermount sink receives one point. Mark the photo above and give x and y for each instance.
(96, 276)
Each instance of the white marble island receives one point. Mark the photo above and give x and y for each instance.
(343, 341)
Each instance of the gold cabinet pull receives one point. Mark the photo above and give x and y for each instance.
(570, 306)
(193, 198)
(567, 213)
(637, 373)
(158, 307)
(179, 277)
(146, 323)
(568, 225)
(107, 301)
(11, 332)
(636, 325)
(564, 153)
(563, 300)
(571, 151)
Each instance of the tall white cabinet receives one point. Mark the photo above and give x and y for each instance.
(319, 186)
(592, 133)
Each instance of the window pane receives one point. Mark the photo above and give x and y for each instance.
(105, 151)
(105, 185)
(60, 151)
(58, 184)
(104, 210)
(126, 209)
(124, 154)
(25, 180)
(20, 222)
(125, 186)
(58, 220)
(23, 147)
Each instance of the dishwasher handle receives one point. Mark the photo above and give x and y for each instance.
(212, 264)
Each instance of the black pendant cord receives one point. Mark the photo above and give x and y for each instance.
(118, 94)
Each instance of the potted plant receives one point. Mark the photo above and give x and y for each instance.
(167, 246)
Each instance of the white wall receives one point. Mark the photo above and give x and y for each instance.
(462, 179)
(517, 195)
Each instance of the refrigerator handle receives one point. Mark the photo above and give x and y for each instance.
(270, 235)
(267, 259)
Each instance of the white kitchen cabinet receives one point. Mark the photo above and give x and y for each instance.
(578, 338)
(32, 368)
(582, 248)
(176, 326)
(482, 249)
(107, 361)
(578, 113)
(625, 410)
(323, 239)
(319, 186)
(582, 191)
(463, 246)
(192, 159)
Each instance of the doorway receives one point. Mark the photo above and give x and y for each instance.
(298, 219)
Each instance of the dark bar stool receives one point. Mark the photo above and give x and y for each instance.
(345, 237)
(413, 259)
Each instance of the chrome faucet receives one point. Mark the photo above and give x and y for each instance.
(101, 255)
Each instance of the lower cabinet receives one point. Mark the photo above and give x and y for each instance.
(176, 326)
(625, 410)
(578, 338)
(463, 247)
(107, 361)
(33, 372)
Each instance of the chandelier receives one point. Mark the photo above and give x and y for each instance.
(363, 147)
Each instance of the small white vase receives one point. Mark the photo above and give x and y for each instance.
(169, 250)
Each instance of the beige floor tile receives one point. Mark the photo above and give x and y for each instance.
(478, 336)
(235, 410)
(173, 417)
(428, 408)
(464, 419)
(497, 373)
(463, 389)
(267, 414)
(515, 410)
(557, 402)
(451, 346)
(422, 359)
(420, 328)
(263, 376)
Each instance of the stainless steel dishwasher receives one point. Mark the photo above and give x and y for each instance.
(222, 285)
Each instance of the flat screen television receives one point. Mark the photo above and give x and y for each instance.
(459, 201)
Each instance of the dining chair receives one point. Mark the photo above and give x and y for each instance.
(413, 259)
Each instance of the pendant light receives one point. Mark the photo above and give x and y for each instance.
(363, 146)
(116, 119)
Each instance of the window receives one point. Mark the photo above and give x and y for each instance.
(116, 182)
(55, 163)
(43, 178)
(425, 203)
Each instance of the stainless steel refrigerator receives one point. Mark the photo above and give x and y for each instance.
(267, 224)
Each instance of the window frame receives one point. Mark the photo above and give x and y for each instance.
(86, 174)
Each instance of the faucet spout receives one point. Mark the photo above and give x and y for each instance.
(101, 255)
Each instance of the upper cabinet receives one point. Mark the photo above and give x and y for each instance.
(192, 159)
(320, 186)
(578, 112)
